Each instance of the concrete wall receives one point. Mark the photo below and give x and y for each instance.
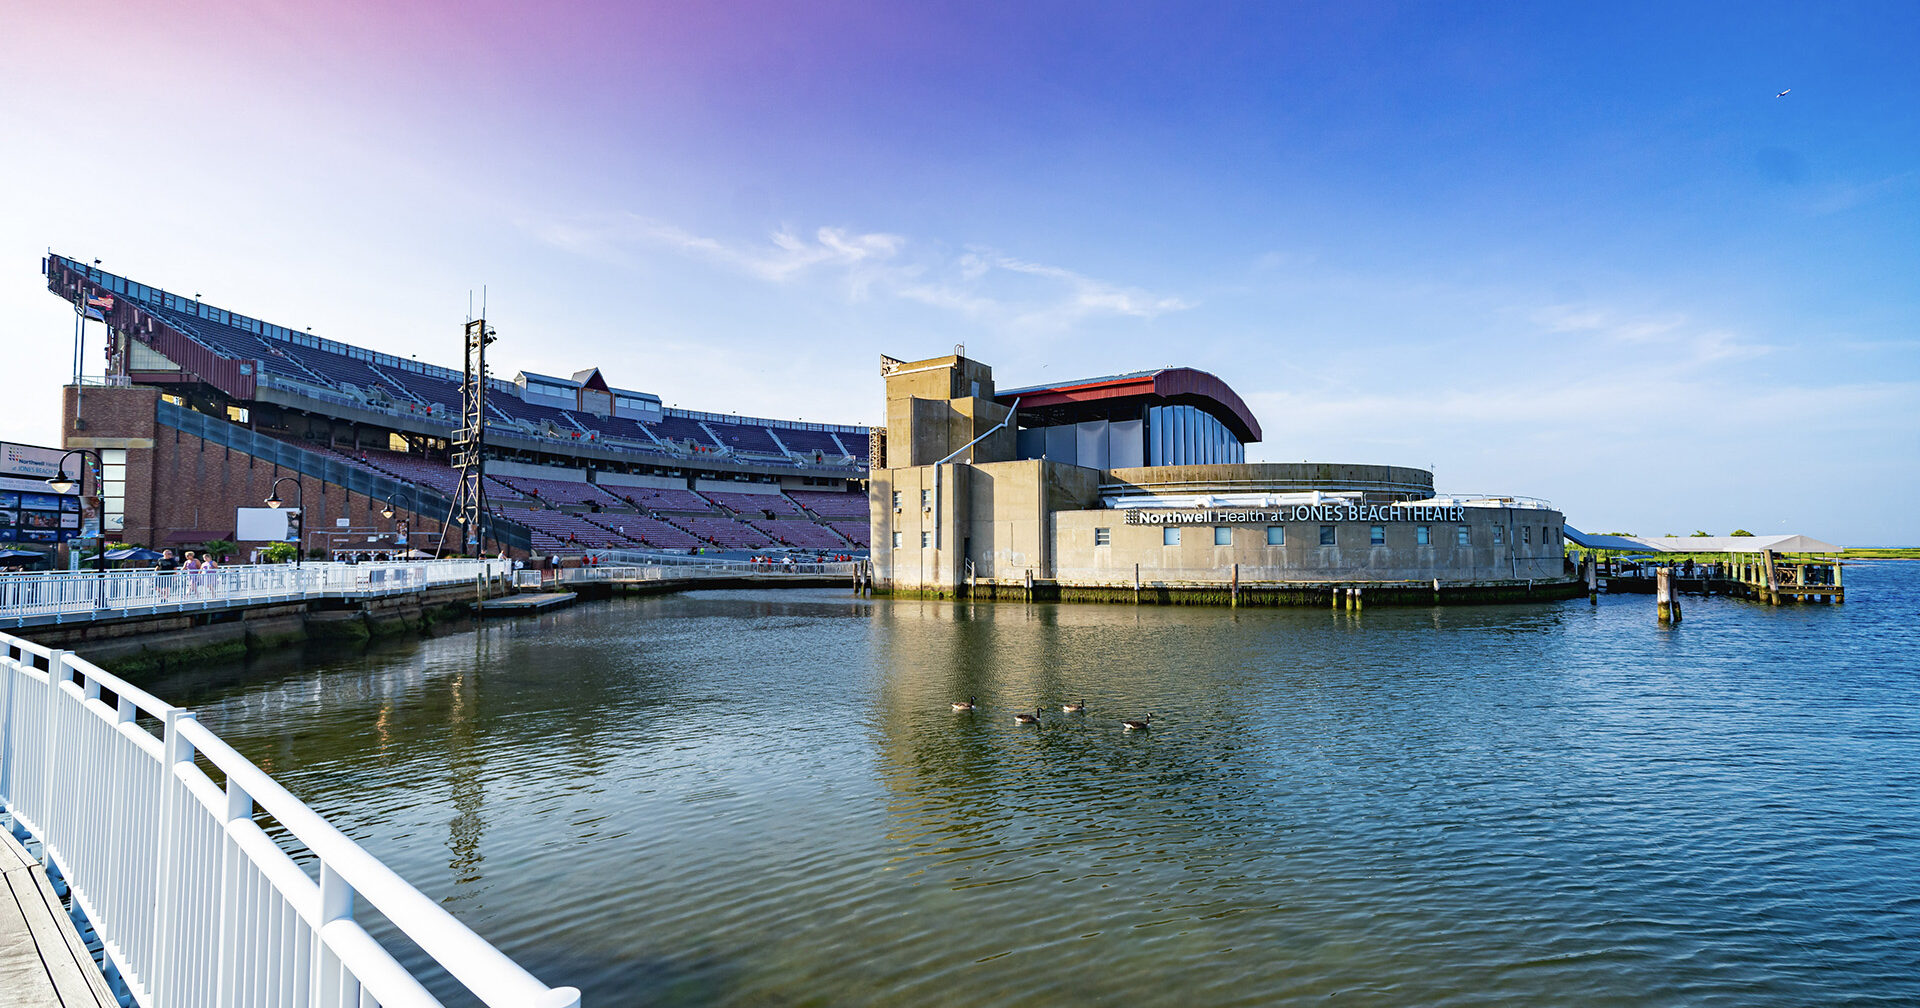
(1376, 481)
(1530, 547)
(997, 515)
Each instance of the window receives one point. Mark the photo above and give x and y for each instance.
(1463, 536)
(1499, 535)
(1170, 536)
(926, 539)
(926, 499)
(1276, 535)
(1222, 535)
(1326, 535)
(896, 500)
(1423, 536)
(1377, 535)
(1103, 537)
(896, 540)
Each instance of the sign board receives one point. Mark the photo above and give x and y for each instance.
(263, 524)
(1297, 512)
(33, 462)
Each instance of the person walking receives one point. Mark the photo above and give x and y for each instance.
(163, 572)
(190, 568)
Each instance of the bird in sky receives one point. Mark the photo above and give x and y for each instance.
(1783, 94)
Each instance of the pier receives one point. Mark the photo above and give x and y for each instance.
(191, 900)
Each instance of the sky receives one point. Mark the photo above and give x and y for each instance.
(1586, 253)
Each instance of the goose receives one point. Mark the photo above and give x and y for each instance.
(1140, 725)
(1023, 718)
(1076, 707)
(962, 706)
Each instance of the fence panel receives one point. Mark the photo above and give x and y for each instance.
(196, 905)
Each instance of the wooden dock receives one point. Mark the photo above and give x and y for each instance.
(43, 961)
(525, 605)
(1763, 577)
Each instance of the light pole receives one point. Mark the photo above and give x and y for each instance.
(61, 484)
(299, 513)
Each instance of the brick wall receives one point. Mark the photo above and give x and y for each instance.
(178, 483)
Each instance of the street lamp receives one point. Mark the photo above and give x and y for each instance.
(299, 516)
(60, 483)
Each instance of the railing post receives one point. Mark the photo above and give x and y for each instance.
(57, 674)
(233, 864)
(336, 903)
(175, 750)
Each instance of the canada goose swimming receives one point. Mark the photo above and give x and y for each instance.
(963, 705)
(1076, 707)
(1023, 718)
(1140, 725)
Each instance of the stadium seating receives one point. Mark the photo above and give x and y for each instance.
(753, 505)
(803, 534)
(724, 532)
(831, 504)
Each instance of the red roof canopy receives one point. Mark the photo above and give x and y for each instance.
(1187, 385)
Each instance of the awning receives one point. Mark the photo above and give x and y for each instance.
(1701, 544)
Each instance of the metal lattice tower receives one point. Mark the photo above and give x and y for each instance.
(470, 443)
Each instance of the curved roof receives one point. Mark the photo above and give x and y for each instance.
(1186, 385)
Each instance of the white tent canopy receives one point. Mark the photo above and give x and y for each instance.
(1702, 544)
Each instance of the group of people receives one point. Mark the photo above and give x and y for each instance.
(198, 569)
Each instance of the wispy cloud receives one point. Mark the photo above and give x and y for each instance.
(978, 282)
(1665, 341)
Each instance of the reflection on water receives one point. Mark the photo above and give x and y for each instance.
(763, 798)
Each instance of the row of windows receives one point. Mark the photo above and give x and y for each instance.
(1329, 535)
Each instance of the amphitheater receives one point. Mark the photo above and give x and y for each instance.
(204, 409)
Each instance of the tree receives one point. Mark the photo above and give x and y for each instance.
(1743, 533)
(218, 548)
(1697, 534)
(280, 552)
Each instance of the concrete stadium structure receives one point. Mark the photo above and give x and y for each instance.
(969, 496)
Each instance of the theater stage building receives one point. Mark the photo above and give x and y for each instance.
(1136, 487)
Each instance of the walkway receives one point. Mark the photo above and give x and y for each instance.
(43, 962)
(79, 597)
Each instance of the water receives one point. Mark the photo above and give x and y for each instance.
(763, 798)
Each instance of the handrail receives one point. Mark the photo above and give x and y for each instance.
(194, 903)
(66, 596)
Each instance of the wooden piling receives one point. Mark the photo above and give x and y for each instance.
(1357, 601)
(1593, 582)
(1029, 584)
(1233, 599)
(1668, 599)
(1136, 584)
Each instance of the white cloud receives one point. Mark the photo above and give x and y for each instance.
(980, 283)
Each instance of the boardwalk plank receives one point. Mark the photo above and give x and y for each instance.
(43, 962)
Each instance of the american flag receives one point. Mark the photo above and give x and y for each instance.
(104, 302)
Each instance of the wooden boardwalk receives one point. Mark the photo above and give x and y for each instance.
(43, 962)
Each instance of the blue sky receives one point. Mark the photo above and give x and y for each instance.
(1582, 254)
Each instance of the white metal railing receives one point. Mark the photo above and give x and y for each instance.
(65, 596)
(195, 903)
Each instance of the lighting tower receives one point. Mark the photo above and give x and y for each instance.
(470, 442)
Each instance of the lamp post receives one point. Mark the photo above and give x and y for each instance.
(299, 515)
(61, 484)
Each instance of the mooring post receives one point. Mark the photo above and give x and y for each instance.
(1772, 594)
(1839, 590)
(1436, 591)
(1669, 602)
(1029, 584)
(1339, 596)
(1593, 583)
(1136, 584)
(1359, 602)
(1234, 595)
